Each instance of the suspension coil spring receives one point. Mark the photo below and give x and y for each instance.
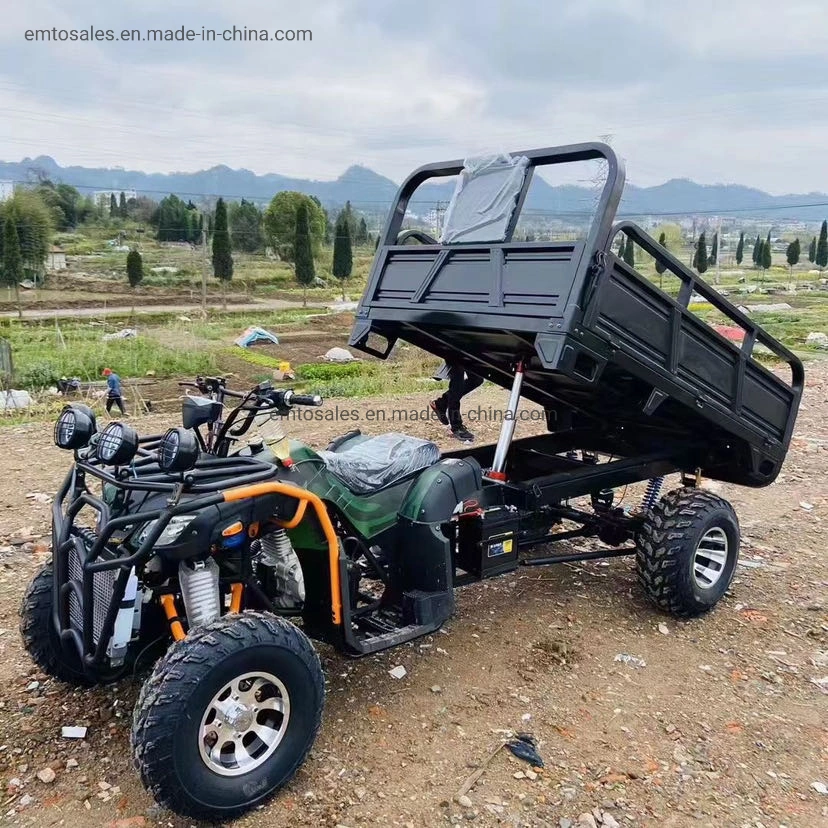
(652, 494)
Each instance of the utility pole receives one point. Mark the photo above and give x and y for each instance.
(719, 251)
(204, 271)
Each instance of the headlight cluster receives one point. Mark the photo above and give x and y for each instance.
(117, 444)
(75, 427)
(178, 451)
(172, 531)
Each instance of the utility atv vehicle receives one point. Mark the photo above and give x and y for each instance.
(240, 545)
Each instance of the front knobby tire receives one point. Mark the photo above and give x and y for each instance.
(687, 551)
(228, 716)
(40, 638)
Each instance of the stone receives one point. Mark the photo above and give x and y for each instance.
(587, 820)
(464, 802)
(46, 776)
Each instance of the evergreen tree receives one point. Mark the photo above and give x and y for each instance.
(113, 205)
(629, 253)
(303, 251)
(740, 248)
(714, 250)
(222, 250)
(812, 250)
(767, 259)
(659, 265)
(361, 237)
(757, 251)
(343, 260)
(135, 272)
(821, 258)
(246, 226)
(12, 258)
(792, 254)
(122, 205)
(134, 268)
(701, 254)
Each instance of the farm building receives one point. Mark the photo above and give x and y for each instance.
(55, 259)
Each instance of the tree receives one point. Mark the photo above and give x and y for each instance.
(629, 253)
(792, 254)
(812, 250)
(343, 259)
(12, 258)
(246, 226)
(177, 221)
(767, 259)
(67, 206)
(757, 251)
(659, 265)
(113, 205)
(821, 258)
(303, 250)
(361, 237)
(280, 222)
(740, 248)
(622, 245)
(122, 205)
(34, 222)
(714, 250)
(135, 272)
(701, 254)
(222, 250)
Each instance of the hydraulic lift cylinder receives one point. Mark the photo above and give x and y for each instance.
(507, 429)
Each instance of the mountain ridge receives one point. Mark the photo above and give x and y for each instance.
(370, 190)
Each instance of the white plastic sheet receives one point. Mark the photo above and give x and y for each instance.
(484, 199)
(381, 460)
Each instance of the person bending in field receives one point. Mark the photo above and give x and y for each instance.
(113, 391)
(447, 406)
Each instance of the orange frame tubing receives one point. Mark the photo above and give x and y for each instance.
(168, 603)
(305, 498)
(236, 592)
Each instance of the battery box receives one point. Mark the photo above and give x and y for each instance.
(487, 541)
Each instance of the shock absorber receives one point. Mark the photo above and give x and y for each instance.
(652, 494)
(278, 555)
(199, 582)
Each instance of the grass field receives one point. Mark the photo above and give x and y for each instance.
(171, 345)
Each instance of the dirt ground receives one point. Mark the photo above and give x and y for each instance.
(723, 726)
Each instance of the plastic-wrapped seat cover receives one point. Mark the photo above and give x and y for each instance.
(380, 461)
(484, 199)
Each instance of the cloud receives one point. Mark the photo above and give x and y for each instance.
(717, 92)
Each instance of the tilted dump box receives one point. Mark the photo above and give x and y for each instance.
(619, 365)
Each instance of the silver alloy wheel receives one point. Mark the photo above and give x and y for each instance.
(710, 558)
(244, 724)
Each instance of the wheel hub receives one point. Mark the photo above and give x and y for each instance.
(710, 558)
(244, 723)
(234, 715)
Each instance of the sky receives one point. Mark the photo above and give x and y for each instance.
(718, 92)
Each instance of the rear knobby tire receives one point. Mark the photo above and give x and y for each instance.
(40, 638)
(184, 698)
(687, 552)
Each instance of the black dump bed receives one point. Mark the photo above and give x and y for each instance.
(623, 366)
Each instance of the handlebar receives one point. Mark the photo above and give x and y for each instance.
(291, 398)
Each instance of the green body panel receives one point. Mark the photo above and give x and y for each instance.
(370, 514)
(422, 487)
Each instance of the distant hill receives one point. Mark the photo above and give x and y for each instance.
(371, 191)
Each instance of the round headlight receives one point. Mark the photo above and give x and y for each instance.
(117, 444)
(178, 451)
(74, 427)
